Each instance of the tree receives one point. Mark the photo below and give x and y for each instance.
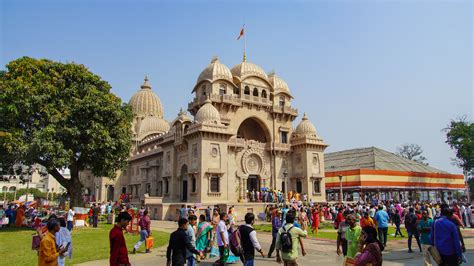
(61, 115)
(412, 152)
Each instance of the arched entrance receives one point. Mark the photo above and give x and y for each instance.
(184, 183)
(253, 129)
(253, 183)
(110, 193)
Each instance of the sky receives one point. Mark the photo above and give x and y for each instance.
(367, 73)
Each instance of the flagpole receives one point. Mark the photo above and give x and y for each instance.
(245, 45)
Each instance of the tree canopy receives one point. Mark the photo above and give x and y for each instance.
(61, 115)
(412, 152)
(460, 137)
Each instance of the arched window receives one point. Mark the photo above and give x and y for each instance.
(236, 91)
(193, 185)
(271, 97)
(282, 101)
(222, 89)
(255, 92)
(4, 188)
(247, 90)
(12, 189)
(317, 186)
(283, 186)
(203, 88)
(264, 94)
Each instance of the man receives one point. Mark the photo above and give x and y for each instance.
(47, 253)
(290, 257)
(222, 237)
(178, 244)
(276, 225)
(183, 213)
(95, 215)
(249, 241)
(341, 238)
(424, 227)
(352, 236)
(445, 237)
(191, 233)
(118, 248)
(367, 221)
(382, 219)
(70, 219)
(410, 224)
(145, 231)
(208, 214)
(397, 220)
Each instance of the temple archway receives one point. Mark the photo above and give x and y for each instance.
(253, 129)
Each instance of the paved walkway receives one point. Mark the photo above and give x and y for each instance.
(321, 251)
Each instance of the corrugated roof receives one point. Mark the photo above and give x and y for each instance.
(373, 158)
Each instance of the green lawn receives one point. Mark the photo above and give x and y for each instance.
(88, 244)
(328, 233)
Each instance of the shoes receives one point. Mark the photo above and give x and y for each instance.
(134, 251)
(410, 251)
(148, 251)
(269, 256)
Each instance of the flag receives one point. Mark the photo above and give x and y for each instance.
(241, 32)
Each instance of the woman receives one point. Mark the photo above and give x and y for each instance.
(231, 216)
(20, 216)
(63, 237)
(203, 235)
(370, 248)
(315, 217)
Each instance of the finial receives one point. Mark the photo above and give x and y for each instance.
(245, 57)
(305, 117)
(146, 84)
(146, 78)
(214, 59)
(208, 99)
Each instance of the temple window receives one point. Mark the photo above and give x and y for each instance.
(215, 184)
(193, 184)
(284, 137)
(282, 101)
(264, 94)
(222, 89)
(317, 186)
(166, 186)
(236, 91)
(247, 90)
(255, 92)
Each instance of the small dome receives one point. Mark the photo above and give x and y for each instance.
(305, 127)
(246, 69)
(214, 71)
(146, 102)
(278, 83)
(208, 114)
(153, 124)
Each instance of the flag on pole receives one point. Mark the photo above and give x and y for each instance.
(241, 32)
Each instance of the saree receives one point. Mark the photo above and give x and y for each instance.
(201, 240)
(229, 257)
(20, 215)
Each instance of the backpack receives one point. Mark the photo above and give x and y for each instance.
(286, 240)
(410, 221)
(235, 242)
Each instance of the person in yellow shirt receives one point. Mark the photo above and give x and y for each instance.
(48, 254)
(367, 221)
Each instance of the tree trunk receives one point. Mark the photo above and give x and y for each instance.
(75, 193)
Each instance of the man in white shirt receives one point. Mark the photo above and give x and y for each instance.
(222, 237)
(249, 241)
(70, 219)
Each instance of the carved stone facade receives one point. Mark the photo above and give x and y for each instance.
(241, 139)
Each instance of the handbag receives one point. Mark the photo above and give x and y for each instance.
(149, 242)
(434, 253)
(35, 242)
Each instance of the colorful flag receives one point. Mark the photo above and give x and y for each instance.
(241, 32)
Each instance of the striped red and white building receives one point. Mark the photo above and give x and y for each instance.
(372, 172)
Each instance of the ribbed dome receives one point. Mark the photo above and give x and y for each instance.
(146, 102)
(153, 124)
(214, 71)
(208, 114)
(305, 127)
(278, 83)
(246, 69)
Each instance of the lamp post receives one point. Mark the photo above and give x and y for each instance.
(285, 175)
(340, 188)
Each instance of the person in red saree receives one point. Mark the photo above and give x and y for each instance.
(20, 216)
(315, 219)
(370, 248)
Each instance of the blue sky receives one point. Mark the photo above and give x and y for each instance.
(368, 73)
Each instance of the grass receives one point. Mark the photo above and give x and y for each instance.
(326, 231)
(88, 244)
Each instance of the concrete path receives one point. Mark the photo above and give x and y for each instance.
(320, 251)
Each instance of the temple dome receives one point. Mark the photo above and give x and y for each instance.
(208, 114)
(214, 71)
(246, 69)
(279, 85)
(145, 102)
(153, 124)
(305, 127)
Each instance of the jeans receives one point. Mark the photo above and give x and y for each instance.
(69, 225)
(249, 263)
(191, 261)
(449, 260)
(95, 220)
(397, 230)
(417, 237)
(383, 235)
(272, 246)
(344, 247)
(143, 236)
